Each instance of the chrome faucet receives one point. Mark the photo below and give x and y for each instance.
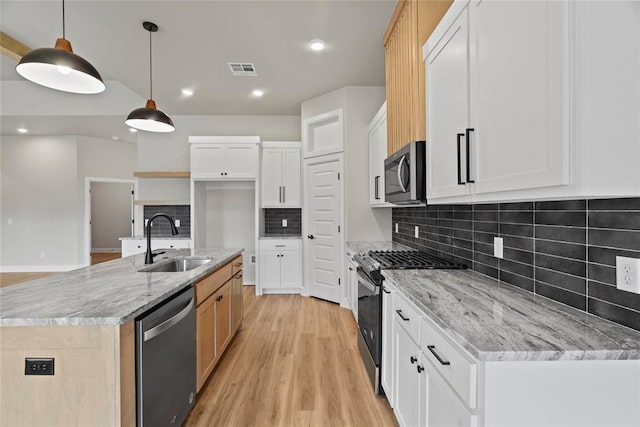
(148, 258)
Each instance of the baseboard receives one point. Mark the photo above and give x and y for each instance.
(106, 250)
(282, 291)
(37, 268)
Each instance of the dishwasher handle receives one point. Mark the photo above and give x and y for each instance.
(169, 323)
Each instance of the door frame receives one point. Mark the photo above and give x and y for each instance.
(306, 212)
(87, 209)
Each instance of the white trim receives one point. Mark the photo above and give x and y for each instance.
(337, 114)
(339, 157)
(281, 144)
(105, 250)
(38, 268)
(224, 140)
(136, 213)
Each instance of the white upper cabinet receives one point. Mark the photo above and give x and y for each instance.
(526, 102)
(281, 175)
(224, 157)
(377, 154)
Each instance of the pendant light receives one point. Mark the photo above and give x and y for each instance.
(150, 118)
(59, 68)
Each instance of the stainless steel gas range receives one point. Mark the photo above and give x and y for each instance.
(370, 299)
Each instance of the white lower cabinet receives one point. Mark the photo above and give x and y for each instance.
(136, 246)
(351, 294)
(280, 266)
(387, 343)
(406, 378)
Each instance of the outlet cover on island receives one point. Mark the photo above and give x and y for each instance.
(498, 247)
(628, 274)
(284, 222)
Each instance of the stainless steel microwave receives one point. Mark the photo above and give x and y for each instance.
(405, 175)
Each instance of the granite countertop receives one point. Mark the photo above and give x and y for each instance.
(178, 237)
(109, 293)
(496, 321)
(360, 247)
(283, 236)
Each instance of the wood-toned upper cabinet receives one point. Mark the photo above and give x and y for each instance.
(410, 26)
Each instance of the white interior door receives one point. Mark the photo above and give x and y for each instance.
(323, 202)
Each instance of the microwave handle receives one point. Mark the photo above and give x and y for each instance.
(402, 160)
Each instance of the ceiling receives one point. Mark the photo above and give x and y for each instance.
(195, 41)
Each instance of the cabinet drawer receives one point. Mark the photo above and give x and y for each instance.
(170, 244)
(407, 315)
(236, 265)
(211, 283)
(455, 367)
(279, 245)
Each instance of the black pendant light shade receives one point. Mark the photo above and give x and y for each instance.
(61, 69)
(150, 118)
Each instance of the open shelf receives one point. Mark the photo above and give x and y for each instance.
(163, 174)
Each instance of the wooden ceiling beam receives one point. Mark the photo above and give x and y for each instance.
(12, 47)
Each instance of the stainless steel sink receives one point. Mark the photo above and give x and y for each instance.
(175, 265)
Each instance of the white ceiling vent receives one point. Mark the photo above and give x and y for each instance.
(242, 69)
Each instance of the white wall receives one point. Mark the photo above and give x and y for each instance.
(110, 215)
(43, 196)
(359, 104)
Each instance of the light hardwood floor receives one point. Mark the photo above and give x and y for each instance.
(8, 279)
(295, 362)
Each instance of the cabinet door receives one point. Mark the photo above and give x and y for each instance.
(236, 302)
(406, 378)
(132, 247)
(291, 177)
(222, 298)
(291, 267)
(447, 69)
(241, 161)
(440, 405)
(207, 161)
(519, 107)
(206, 338)
(387, 344)
(382, 154)
(271, 177)
(269, 269)
(374, 154)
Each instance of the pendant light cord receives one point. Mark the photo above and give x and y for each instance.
(150, 68)
(63, 34)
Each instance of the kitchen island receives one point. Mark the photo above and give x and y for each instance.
(84, 319)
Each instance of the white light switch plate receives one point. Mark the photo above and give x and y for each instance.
(177, 222)
(628, 274)
(396, 227)
(284, 222)
(498, 251)
(417, 232)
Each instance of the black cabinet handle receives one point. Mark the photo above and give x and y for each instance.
(432, 349)
(385, 290)
(460, 181)
(413, 360)
(350, 268)
(406, 319)
(468, 138)
(284, 194)
(310, 236)
(420, 369)
(377, 192)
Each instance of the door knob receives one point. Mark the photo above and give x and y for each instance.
(310, 236)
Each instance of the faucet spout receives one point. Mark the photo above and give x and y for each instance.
(148, 258)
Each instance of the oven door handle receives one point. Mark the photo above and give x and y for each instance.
(362, 278)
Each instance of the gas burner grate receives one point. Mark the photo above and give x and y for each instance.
(412, 260)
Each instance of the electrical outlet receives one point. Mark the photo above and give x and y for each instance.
(628, 274)
(284, 222)
(416, 233)
(177, 223)
(39, 366)
(396, 227)
(146, 221)
(253, 259)
(498, 250)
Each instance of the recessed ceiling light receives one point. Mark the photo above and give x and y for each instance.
(22, 130)
(132, 130)
(115, 138)
(187, 92)
(258, 93)
(316, 45)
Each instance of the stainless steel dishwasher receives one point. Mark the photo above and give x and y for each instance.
(166, 362)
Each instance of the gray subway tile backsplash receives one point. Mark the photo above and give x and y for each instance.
(161, 227)
(563, 250)
(273, 222)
